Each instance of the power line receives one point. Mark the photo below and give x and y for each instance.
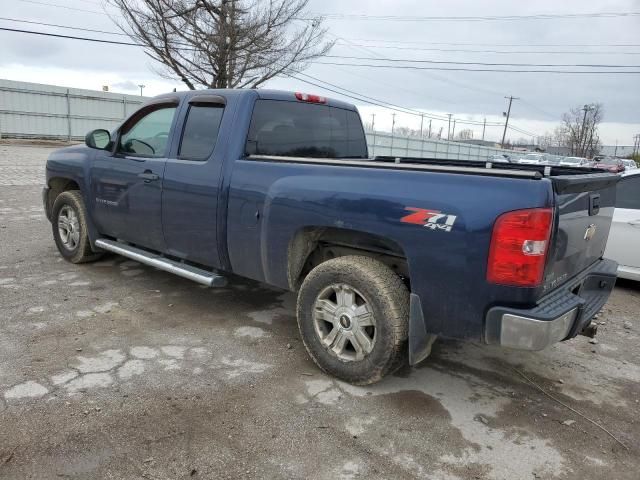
(499, 52)
(115, 42)
(63, 26)
(477, 44)
(462, 69)
(484, 63)
(413, 18)
(62, 6)
(397, 108)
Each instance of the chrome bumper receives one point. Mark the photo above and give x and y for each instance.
(561, 315)
(526, 333)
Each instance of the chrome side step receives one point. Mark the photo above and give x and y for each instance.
(210, 279)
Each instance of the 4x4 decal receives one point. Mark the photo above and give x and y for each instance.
(433, 219)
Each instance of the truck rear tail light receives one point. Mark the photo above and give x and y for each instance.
(519, 245)
(305, 97)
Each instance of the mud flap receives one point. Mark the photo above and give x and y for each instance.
(420, 341)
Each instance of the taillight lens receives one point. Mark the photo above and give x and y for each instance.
(519, 247)
(305, 97)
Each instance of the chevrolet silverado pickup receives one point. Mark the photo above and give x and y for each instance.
(385, 254)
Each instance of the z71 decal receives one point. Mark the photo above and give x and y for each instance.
(433, 219)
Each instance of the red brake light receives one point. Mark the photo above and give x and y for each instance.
(519, 247)
(305, 97)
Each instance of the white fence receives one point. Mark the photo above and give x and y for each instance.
(384, 144)
(32, 110)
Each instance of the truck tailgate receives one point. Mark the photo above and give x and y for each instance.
(584, 210)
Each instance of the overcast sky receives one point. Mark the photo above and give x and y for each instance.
(467, 95)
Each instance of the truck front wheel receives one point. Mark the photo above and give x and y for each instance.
(353, 318)
(69, 223)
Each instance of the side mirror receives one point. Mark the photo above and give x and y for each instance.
(100, 139)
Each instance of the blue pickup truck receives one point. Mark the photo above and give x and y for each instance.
(386, 254)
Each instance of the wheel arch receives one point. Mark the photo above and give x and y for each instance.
(313, 245)
(57, 185)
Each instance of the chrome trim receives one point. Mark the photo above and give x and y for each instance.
(397, 166)
(198, 275)
(526, 333)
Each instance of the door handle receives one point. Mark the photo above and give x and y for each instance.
(148, 176)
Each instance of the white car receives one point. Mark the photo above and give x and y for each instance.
(629, 164)
(573, 161)
(624, 238)
(533, 159)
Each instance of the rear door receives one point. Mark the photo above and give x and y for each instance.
(624, 239)
(126, 185)
(191, 182)
(584, 211)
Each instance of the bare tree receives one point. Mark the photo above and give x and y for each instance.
(579, 130)
(224, 43)
(466, 134)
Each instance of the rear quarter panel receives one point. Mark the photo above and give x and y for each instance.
(270, 202)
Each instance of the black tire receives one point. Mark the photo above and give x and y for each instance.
(80, 250)
(388, 300)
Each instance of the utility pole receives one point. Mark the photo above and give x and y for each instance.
(583, 139)
(421, 124)
(449, 127)
(506, 123)
(453, 134)
(429, 128)
(393, 127)
(141, 87)
(484, 126)
(373, 130)
(615, 152)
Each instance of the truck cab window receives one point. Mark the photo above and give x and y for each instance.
(628, 193)
(200, 132)
(295, 129)
(148, 136)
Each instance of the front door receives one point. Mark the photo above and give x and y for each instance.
(127, 184)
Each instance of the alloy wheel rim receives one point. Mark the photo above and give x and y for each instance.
(68, 227)
(344, 322)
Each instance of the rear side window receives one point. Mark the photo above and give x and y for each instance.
(292, 129)
(200, 132)
(628, 193)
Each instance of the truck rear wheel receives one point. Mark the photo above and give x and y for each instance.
(353, 318)
(69, 224)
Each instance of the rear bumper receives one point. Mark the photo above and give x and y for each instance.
(558, 316)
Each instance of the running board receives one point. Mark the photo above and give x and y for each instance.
(210, 279)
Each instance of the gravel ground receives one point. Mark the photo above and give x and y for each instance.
(115, 370)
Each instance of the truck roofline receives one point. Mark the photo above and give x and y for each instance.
(263, 94)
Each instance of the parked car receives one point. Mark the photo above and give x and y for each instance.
(613, 165)
(624, 240)
(385, 254)
(573, 162)
(500, 158)
(533, 159)
(552, 159)
(629, 164)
